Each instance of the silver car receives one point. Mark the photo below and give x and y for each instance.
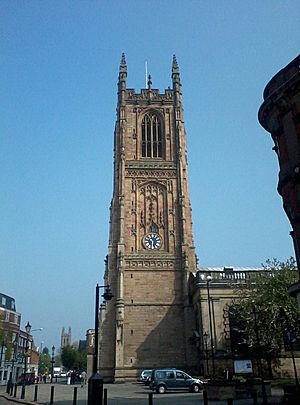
(145, 376)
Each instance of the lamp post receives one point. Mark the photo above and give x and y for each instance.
(95, 383)
(14, 355)
(28, 329)
(205, 336)
(208, 280)
(52, 362)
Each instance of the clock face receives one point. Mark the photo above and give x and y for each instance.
(152, 241)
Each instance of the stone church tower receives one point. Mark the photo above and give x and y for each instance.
(65, 338)
(149, 322)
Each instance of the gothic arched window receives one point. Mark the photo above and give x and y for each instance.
(152, 136)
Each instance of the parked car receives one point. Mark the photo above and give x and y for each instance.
(173, 379)
(145, 376)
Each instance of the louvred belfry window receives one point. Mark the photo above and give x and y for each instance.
(151, 136)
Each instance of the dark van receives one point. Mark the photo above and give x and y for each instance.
(173, 379)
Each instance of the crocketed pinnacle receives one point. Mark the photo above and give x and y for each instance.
(175, 68)
(123, 66)
(175, 71)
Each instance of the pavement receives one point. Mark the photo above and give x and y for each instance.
(117, 394)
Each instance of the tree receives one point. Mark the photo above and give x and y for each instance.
(82, 359)
(44, 362)
(264, 311)
(72, 359)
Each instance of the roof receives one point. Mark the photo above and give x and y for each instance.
(229, 268)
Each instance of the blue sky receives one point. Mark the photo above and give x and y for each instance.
(59, 68)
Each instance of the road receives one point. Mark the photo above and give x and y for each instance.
(118, 394)
(4, 401)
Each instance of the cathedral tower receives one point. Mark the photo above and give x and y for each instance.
(149, 322)
(65, 338)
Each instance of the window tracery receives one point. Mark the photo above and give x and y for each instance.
(152, 136)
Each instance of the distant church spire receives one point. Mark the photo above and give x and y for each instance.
(65, 338)
(149, 82)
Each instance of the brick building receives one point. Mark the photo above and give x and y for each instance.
(280, 115)
(18, 353)
(9, 335)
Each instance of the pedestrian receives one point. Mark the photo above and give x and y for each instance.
(68, 378)
(83, 378)
(227, 374)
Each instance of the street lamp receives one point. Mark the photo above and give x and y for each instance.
(14, 354)
(95, 383)
(52, 363)
(28, 329)
(205, 336)
(27, 353)
(208, 280)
